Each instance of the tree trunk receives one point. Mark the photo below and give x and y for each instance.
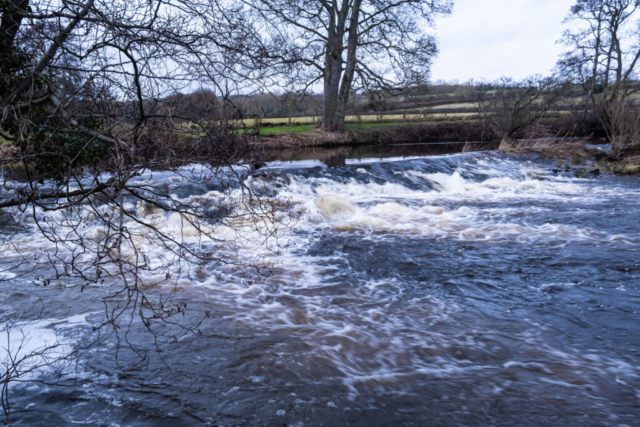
(48, 56)
(594, 74)
(350, 68)
(332, 120)
(333, 114)
(338, 81)
(10, 24)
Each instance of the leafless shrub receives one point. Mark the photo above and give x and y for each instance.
(508, 108)
(472, 147)
(621, 119)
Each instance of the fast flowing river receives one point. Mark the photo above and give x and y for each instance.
(469, 289)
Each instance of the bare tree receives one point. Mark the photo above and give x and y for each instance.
(348, 45)
(621, 119)
(99, 142)
(509, 108)
(604, 52)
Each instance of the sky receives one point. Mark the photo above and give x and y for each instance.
(489, 39)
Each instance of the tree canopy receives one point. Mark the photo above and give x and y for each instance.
(348, 44)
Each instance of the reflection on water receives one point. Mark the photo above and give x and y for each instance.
(338, 156)
(471, 289)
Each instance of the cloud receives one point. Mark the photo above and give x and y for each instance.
(488, 39)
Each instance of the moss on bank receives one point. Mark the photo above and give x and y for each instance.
(625, 166)
(576, 154)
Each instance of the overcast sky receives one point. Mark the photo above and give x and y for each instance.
(493, 38)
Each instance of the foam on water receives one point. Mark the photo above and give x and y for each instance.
(334, 307)
(394, 208)
(31, 349)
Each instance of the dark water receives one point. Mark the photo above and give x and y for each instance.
(473, 289)
(340, 155)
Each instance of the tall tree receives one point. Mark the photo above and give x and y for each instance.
(603, 58)
(92, 97)
(603, 53)
(348, 45)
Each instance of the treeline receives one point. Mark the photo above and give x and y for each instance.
(280, 104)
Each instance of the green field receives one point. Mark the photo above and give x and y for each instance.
(459, 105)
(287, 129)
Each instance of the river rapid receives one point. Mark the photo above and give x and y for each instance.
(465, 289)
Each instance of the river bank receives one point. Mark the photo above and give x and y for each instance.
(454, 131)
(576, 149)
(407, 140)
(578, 154)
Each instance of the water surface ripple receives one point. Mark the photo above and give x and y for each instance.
(473, 289)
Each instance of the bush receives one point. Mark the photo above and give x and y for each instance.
(508, 108)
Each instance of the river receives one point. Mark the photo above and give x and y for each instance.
(464, 289)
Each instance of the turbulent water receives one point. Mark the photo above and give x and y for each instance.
(471, 289)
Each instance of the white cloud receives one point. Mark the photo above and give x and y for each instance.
(488, 39)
